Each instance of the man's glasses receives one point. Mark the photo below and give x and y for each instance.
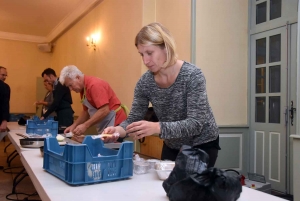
(4, 75)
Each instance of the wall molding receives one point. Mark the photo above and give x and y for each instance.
(22, 37)
(263, 150)
(270, 156)
(240, 136)
(81, 9)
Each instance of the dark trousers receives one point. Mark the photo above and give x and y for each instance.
(171, 154)
(65, 117)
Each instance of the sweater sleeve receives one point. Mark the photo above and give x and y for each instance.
(139, 106)
(49, 99)
(197, 109)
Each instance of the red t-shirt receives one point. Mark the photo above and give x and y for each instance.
(99, 93)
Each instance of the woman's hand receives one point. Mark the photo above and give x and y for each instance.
(39, 102)
(141, 129)
(3, 126)
(112, 138)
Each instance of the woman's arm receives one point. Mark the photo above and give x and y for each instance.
(139, 105)
(198, 111)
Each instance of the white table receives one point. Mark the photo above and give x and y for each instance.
(15, 140)
(139, 187)
(14, 126)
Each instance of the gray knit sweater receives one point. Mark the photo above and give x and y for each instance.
(182, 109)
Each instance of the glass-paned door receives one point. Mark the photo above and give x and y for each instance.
(268, 106)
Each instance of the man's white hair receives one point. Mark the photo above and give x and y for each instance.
(71, 72)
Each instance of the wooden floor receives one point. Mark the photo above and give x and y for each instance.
(25, 188)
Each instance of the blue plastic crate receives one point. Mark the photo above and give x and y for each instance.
(38, 121)
(42, 128)
(78, 164)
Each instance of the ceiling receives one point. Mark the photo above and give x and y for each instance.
(40, 20)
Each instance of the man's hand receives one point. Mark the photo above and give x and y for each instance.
(69, 129)
(3, 126)
(141, 129)
(80, 129)
(42, 118)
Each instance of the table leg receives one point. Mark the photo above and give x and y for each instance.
(11, 157)
(6, 147)
(16, 181)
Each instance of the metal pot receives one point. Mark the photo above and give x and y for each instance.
(32, 142)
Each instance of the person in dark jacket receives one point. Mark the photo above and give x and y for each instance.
(4, 100)
(62, 100)
(4, 103)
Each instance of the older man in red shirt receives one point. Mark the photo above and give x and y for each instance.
(101, 106)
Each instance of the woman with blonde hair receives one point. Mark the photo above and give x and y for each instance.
(177, 91)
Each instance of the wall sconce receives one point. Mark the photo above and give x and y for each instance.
(91, 42)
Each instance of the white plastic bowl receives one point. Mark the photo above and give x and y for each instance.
(164, 168)
(163, 174)
(165, 165)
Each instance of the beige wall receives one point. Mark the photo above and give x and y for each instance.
(176, 16)
(221, 52)
(24, 63)
(116, 59)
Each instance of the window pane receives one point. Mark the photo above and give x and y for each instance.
(274, 79)
(260, 109)
(260, 80)
(274, 109)
(275, 48)
(275, 9)
(261, 51)
(261, 12)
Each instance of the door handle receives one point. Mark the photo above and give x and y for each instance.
(292, 110)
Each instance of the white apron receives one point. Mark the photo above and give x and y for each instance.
(109, 120)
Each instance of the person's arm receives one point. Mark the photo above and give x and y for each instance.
(59, 95)
(139, 105)
(48, 99)
(96, 118)
(101, 113)
(83, 117)
(198, 111)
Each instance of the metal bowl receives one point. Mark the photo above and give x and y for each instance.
(32, 142)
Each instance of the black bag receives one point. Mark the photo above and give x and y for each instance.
(188, 161)
(23, 120)
(212, 184)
